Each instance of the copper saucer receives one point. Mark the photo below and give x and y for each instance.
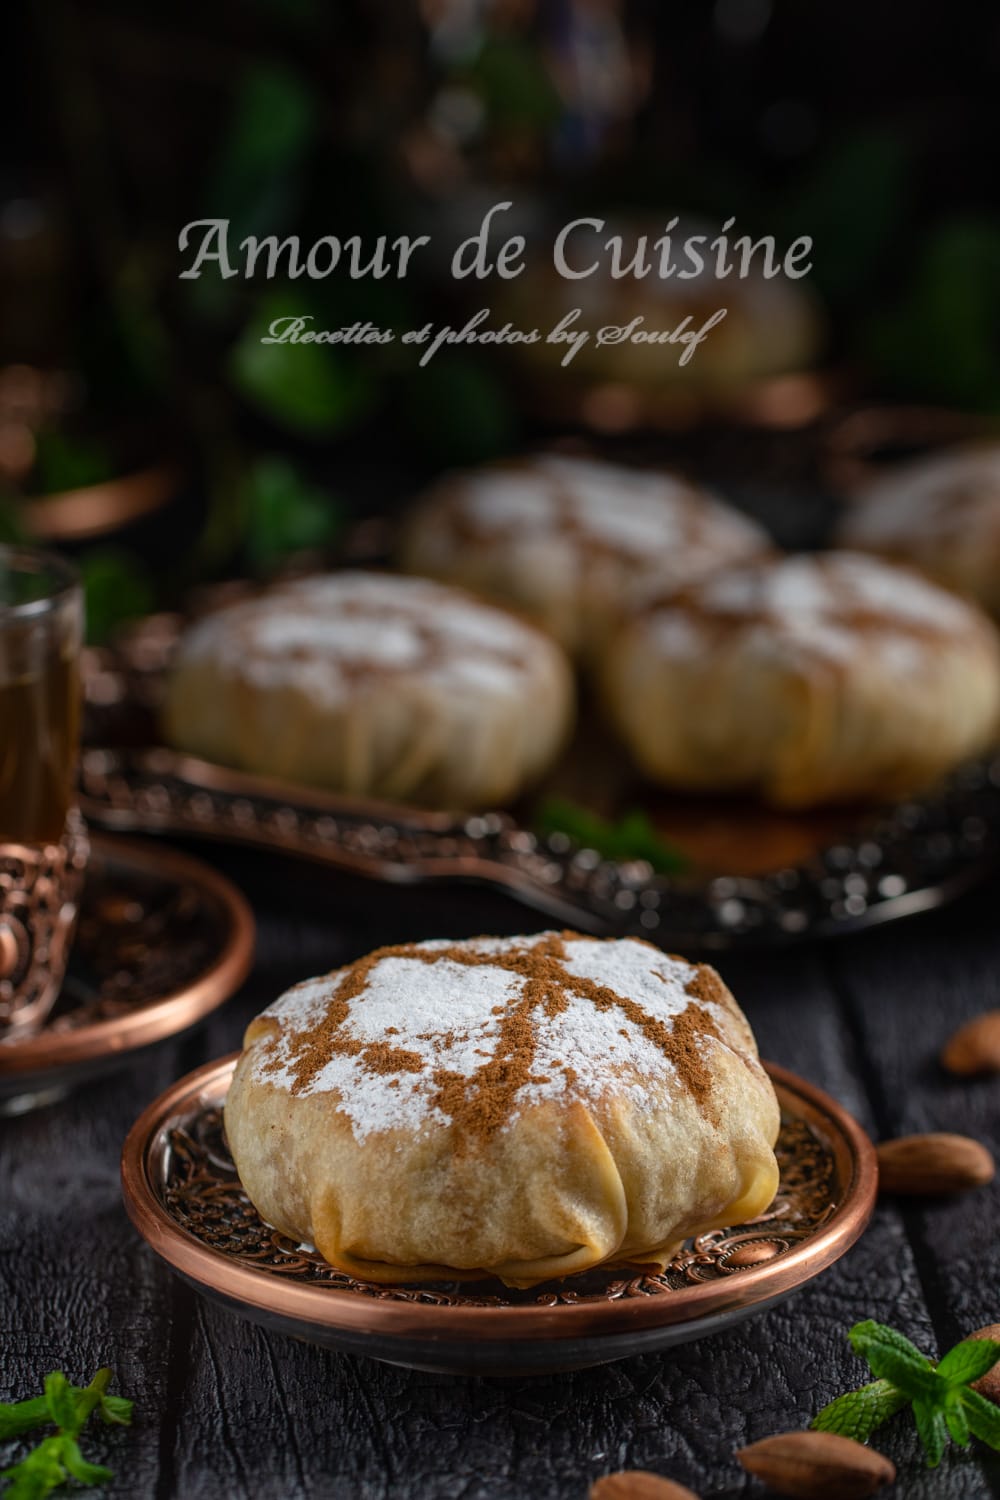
(162, 940)
(183, 1195)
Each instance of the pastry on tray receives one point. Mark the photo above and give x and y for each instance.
(571, 542)
(526, 1107)
(373, 685)
(805, 679)
(771, 325)
(940, 513)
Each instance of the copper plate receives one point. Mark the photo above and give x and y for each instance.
(162, 940)
(183, 1195)
(96, 509)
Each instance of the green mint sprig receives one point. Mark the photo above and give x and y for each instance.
(57, 1458)
(632, 836)
(944, 1405)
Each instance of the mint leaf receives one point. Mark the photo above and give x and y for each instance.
(869, 1335)
(57, 1458)
(60, 1401)
(631, 837)
(77, 1465)
(18, 1417)
(956, 1421)
(857, 1414)
(116, 1410)
(932, 1431)
(892, 1357)
(983, 1418)
(968, 1361)
(37, 1475)
(918, 1382)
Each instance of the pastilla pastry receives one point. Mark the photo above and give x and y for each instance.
(572, 542)
(374, 685)
(805, 679)
(942, 514)
(527, 1107)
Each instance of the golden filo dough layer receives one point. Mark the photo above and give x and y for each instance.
(373, 685)
(939, 513)
(807, 679)
(572, 543)
(522, 1107)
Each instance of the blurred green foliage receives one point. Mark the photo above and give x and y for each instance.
(516, 88)
(64, 461)
(852, 201)
(937, 338)
(284, 513)
(312, 390)
(256, 177)
(632, 836)
(459, 410)
(117, 587)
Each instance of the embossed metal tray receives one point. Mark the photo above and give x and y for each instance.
(183, 1195)
(904, 859)
(161, 941)
(754, 875)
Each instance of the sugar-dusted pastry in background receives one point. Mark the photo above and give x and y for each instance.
(373, 685)
(527, 1107)
(572, 542)
(806, 679)
(772, 325)
(941, 513)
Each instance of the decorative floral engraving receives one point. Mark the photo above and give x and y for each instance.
(204, 1197)
(39, 890)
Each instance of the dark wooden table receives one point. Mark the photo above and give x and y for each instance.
(226, 1411)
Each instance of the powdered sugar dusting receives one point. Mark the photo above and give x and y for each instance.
(632, 512)
(320, 634)
(446, 1015)
(927, 497)
(831, 606)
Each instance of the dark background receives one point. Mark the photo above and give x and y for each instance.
(870, 128)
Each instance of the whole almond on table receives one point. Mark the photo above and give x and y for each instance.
(932, 1164)
(989, 1384)
(817, 1466)
(638, 1484)
(975, 1047)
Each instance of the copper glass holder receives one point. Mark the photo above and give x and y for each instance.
(39, 892)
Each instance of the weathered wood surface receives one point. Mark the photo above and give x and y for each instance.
(227, 1412)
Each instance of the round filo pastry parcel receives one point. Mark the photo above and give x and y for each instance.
(940, 513)
(373, 685)
(832, 677)
(526, 1107)
(572, 543)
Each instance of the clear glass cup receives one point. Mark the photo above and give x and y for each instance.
(42, 841)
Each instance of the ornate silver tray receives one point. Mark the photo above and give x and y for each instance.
(183, 1195)
(754, 877)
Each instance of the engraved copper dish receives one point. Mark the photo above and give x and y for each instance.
(162, 940)
(183, 1196)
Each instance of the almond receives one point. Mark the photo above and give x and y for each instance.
(638, 1484)
(988, 1385)
(931, 1164)
(975, 1048)
(817, 1466)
